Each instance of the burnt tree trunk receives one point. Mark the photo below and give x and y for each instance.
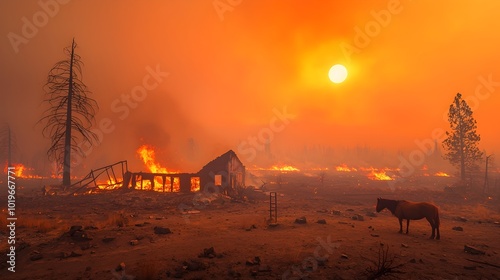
(67, 140)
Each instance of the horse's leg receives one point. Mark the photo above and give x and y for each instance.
(407, 225)
(437, 229)
(436, 221)
(433, 226)
(400, 225)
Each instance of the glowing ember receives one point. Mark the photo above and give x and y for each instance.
(195, 184)
(345, 168)
(441, 174)
(284, 168)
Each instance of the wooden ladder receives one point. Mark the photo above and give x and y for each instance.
(273, 208)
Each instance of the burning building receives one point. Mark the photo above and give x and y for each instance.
(225, 173)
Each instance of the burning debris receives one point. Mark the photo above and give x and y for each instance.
(21, 171)
(225, 174)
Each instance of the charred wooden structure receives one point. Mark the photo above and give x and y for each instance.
(225, 174)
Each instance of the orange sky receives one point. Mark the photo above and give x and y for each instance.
(228, 71)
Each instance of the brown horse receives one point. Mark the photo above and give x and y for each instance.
(403, 209)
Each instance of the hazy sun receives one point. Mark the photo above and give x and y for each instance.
(337, 73)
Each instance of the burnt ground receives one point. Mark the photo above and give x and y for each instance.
(214, 237)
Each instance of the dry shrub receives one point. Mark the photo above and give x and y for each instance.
(41, 225)
(481, 212)
(383, 265)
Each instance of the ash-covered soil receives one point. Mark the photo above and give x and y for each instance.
(148, 235)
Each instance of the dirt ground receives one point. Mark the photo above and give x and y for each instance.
(124, 235)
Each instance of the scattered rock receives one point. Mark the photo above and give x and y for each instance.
(343, 223)
(322, 211)
(371, 214)
(74, 229)
(80, 236)
(321, 221)
(261, 270)
(473, 251)
(336, 212)
(208, 253)
(349, 210)
(120, 267)
(74, 254)
(254, 261)
(358, 217)
(37, 256)
(458, 228)
(404, 245)
(344, 256)
(162, 230)
(139, 237)
(413, 261)
(462, 219)
(471, 267)
(194, 265)
(108, 239)
(250, 228)
(134, 242)
(301, 220)
(140, 225)
(374, 235)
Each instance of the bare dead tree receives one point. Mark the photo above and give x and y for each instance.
(70, 112)
(7, 143)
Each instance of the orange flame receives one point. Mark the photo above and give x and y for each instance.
(147, 155)
(21, 171)
(344, 168)
(284, 168)
(441, 174)
(379, 175)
